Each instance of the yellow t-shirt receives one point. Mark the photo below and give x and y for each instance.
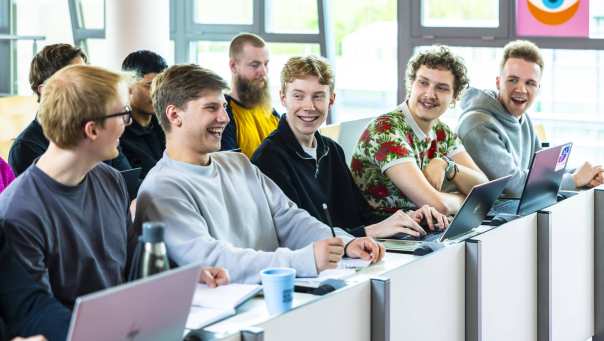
(253, 126)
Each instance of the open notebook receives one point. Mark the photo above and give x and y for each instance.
(214, 304)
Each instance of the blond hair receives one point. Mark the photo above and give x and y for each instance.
(240, 40)
(302, 67)
(74, 95)
(522, 49)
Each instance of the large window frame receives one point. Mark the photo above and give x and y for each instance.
(412, 35)
(80, 33)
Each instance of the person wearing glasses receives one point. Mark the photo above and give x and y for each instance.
(31, 142)
(143, 141)
(67, 215)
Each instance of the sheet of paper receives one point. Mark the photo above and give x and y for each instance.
(225, 296)
(200, 317)
(314, 282)
(353, 263)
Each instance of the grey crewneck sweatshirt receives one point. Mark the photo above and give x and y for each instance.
(229, 214)
(498, 142)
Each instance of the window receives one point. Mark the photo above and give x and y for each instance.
(460, 13)
(223, 12)
(292, 16)
(92, 13)
(365, 54)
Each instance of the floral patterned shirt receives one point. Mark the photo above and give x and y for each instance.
(392, 139)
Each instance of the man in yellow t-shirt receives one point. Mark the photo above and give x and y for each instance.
(249, 104)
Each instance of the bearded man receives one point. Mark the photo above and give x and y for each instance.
(252, 117)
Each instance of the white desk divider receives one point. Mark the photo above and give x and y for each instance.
(599, 263)
(380, 309)
(428, 297)
(566, 269)
(501, 283)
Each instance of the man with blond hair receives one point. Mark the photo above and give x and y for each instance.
(217, 207)
(67, 214)
(496, 129)
(251, 113)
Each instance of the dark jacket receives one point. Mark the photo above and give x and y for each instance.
(310, 183)
(31, 143)
(26, 309)
(143, 146)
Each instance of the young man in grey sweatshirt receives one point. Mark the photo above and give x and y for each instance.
(217, 207)
(496, 130)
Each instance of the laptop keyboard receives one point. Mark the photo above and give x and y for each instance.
(429, 237)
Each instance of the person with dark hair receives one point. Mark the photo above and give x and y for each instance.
(143, 142)
(408, 158)
(26, 309)
(496, 129)
(311, 168)
(31, 143)
(251, 113)
(219, 209)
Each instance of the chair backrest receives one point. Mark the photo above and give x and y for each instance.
(15, 114)
(350, 131)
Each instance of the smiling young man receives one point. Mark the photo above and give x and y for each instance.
(68, 213)
(311, 168)
(409, 158)
(217, 207)
(251, 113)
(497, 131)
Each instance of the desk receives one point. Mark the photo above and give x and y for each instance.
(529, 279)
(342, 315)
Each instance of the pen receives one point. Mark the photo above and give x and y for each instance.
(329, 222)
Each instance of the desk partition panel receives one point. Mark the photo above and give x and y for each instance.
(501, 282)
(427, 297)
(566, 270)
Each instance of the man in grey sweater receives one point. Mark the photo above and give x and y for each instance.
(496, 130)
(218, 208)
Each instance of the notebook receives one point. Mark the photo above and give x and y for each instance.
(211, 305)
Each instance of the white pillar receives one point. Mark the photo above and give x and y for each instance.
(132, 25)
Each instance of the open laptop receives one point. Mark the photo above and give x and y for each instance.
(154, 308)
(541, 185)
(131, 177)
(469, 217)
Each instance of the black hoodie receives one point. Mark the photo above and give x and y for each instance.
(312, 182)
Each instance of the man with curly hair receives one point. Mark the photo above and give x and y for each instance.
(499, 134)
(408, 158)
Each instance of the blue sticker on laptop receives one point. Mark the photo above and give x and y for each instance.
(563, 157)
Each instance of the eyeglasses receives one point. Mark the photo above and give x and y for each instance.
(126, 116)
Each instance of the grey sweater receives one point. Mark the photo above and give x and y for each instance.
(498, 142)
(229, 214)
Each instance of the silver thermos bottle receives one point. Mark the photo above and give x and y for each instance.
(155, 258)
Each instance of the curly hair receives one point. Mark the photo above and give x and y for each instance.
(441, 58)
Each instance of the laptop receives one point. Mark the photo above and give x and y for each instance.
(541, 185)
(465, 223)
(154, 308)
(131, 177)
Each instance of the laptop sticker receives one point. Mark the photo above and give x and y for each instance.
(562, 158)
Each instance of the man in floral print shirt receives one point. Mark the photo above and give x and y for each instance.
(408, 158)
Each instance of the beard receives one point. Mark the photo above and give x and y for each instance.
(253, 93)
